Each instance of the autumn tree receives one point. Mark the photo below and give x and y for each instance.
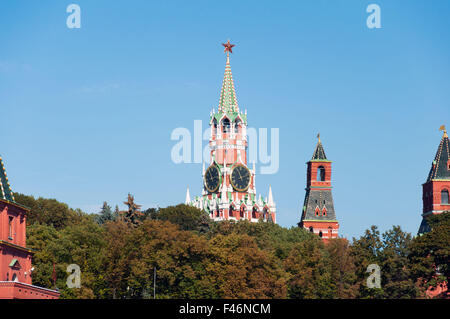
(239, 269)
(178, 256)
(309, 271)
(344, 279)
(133, 215)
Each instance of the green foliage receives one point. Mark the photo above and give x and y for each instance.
(430, 253)
(105, 214)
(390, 252)
(197, 258)
(186, 217)
(48, 211)
(343, 270)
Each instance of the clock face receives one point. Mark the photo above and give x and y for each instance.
(212, 178)
(240, 178)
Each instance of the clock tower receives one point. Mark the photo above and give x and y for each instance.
(229, 191)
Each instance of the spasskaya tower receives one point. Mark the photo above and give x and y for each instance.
(229, 191)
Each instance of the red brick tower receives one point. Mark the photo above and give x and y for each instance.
(318, 214)
(435, 191)
(15, 258)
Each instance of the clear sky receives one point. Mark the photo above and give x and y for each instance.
(87, 113)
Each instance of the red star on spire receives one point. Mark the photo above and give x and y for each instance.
(228, 47)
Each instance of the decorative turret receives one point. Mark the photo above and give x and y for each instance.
(5, 189)
(435, 191)
(318, 214)
(188, 197)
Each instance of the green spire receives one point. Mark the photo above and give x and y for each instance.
(5, 190)
(228, 101)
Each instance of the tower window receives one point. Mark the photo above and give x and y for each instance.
(226, 126)
(444, 197)
(311, 229)
(321, 174)
(10, 226)
(237, 125)
(320, 234)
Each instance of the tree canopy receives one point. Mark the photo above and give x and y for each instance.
(120, 253)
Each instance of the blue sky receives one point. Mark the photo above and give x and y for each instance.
(87, 113)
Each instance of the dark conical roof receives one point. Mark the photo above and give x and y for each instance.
(5, 189)
(319, 153)
(440, 168)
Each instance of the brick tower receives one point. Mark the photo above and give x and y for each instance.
(435, 191)
(15, 258)
(229, 191)
(318, 214)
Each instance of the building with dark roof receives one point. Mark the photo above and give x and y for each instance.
(435, 191)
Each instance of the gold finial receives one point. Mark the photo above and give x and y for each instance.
(318, 136)
(442, 128)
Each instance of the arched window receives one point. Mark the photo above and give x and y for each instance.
(320, 173)
(226, 125)
(444, 197)
(311, 229)
(237, 125)
(254, 215)
(242, 212)
(320, 234)
(14, 278)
